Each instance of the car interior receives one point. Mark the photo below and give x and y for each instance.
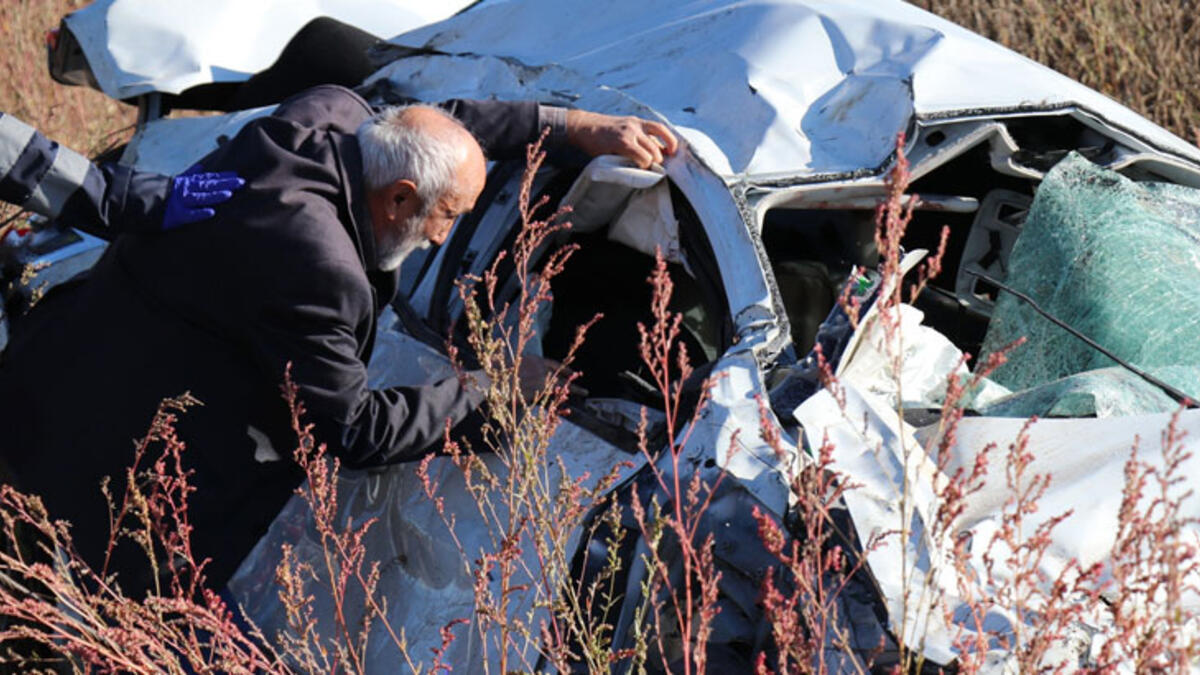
(609, 277)
(981, 191)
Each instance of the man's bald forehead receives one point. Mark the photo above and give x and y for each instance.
(420, 143)
(436, 122)
(439, 123)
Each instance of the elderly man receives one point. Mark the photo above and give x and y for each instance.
(294, 269)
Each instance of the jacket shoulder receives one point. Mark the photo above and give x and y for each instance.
(327, 107)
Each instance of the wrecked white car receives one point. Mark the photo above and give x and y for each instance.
(789, 111)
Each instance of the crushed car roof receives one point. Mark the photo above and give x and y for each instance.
(790, 87)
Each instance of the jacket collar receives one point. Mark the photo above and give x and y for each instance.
(350, 167)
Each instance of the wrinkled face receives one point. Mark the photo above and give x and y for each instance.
(403, 222)
(442, 216)
(393, 244)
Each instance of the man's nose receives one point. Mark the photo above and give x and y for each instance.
(439, 234)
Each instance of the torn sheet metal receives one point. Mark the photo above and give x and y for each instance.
(893, 494)
(728, 434)
(804, 87)
(895, 474)
(425, 578)
(1085, 459)
(141, 46)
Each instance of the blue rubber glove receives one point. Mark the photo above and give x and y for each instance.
(194, 192)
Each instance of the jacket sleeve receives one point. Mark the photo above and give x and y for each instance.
(504, 128)
(44, 177)
(312, 326)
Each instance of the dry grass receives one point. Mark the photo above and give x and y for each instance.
(77, 117)
(1142, 54)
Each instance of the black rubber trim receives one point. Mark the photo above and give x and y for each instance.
(460, 239)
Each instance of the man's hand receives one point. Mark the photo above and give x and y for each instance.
(194, 192)
(643, 141)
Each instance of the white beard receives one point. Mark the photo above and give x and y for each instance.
(395, 246)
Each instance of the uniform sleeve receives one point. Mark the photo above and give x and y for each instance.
(44, 177)
(313, 327)
(504, 128)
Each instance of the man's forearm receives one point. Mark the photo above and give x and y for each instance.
(52, 180)
(504, 128)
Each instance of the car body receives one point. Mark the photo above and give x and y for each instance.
(132, 48)
(789, 112)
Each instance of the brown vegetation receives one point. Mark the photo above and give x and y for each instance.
(1142, 54)
(77, 117)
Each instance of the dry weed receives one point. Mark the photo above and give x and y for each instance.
(1143, 54)
(80, 118)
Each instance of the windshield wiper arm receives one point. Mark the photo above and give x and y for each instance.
(1180, 397)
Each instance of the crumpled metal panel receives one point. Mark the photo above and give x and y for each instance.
(426, 581)
(171, 145)
(140, 46)
(727, 436)
(894, 475)
(1085, 459)
(762, 88)
(870, 446)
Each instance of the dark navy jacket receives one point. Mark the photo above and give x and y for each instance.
(283, 274)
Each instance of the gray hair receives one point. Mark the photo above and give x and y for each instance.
(394, 149)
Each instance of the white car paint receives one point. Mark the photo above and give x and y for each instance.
(141, 46)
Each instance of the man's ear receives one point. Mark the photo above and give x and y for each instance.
(395, 202)
(403, 191)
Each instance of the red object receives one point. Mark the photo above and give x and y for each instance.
(52, 39)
